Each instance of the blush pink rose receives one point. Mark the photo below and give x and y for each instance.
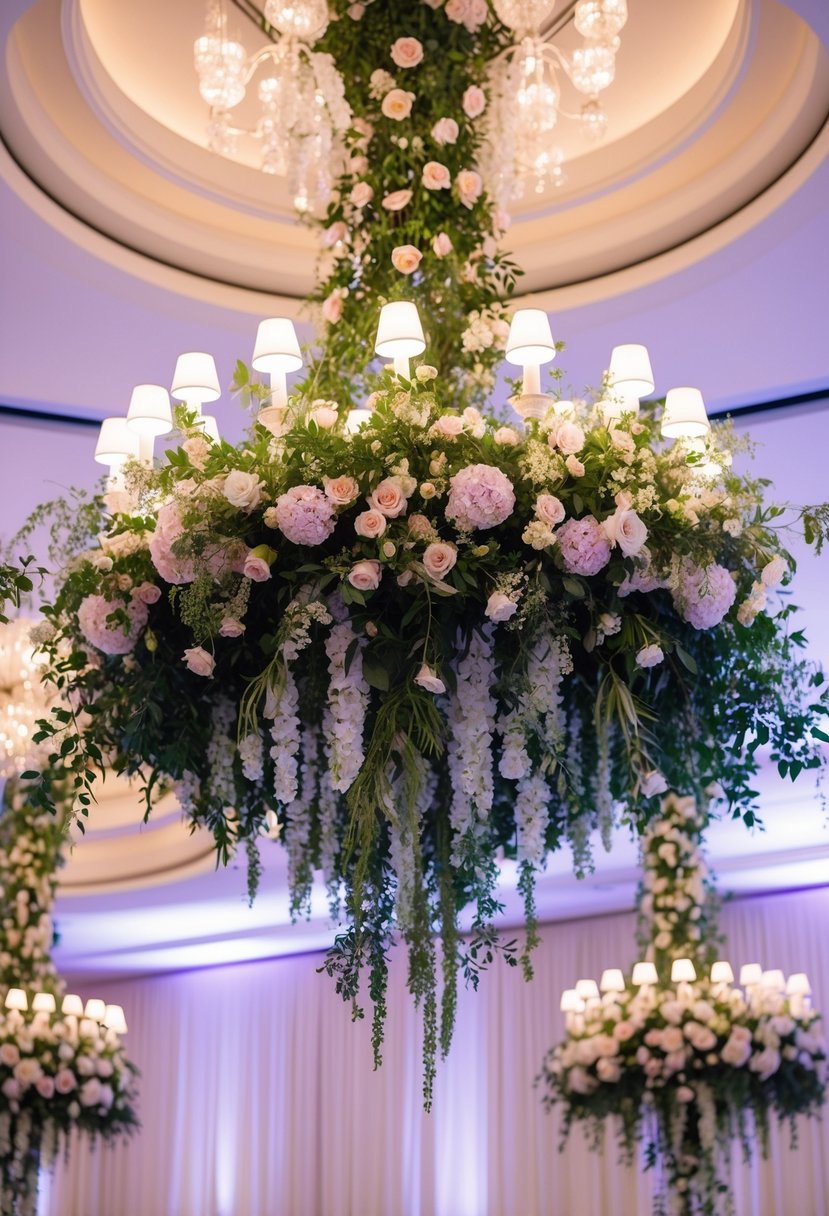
(231, 628)
(568, 437)
(335, 234)
(199, 661)
(45, 1086)
(148, 593)
(441, 245)
(436, 176)
(470, 13)
(325, 416)
(397, 104)
(388, 498)
(365, 575)
(332, 307)
(357, 166)
(470, 187)
(499, 607)
(625, 529)
(474, 101)
(407, 52)
(361, 194)
(370, 524)
(256, 569)
(439, 558)
(549, 509)
(448, 425)
(341, 490)
(397, 200)
(445, 131)
(65, 1081)
(406, 258)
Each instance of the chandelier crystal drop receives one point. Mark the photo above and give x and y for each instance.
(22, 701)
(303, 113)
(523, 15)
(600, 20)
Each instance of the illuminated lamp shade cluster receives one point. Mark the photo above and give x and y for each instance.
(94, 1018)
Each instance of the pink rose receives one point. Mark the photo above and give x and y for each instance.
(65, 1081)
(365, 575)
(474, 101)
(199, 661)
(397, 200)
(567, 436)
(441, 245)
(10, 1089)
(197, 449)
(325, 416)
(448, 425)
(470, 187)
(332, 307)
(335, 234)
(549, 509)
(361, 194)
(256, 569)
(625, 529)
(505, 436)
(45, 1086)
(623, 1031)
(470, 13)
(427, 679)
(407, 52)
(436, 176)
(445, 131)
(439, 558)
(9, 1054)
(397, 104)
(341, 490)
(419, 526)
(370, 524)
(231, 628)
(406, 258)
(480, 496)
(574, 466)
(672, 1039)
(388, 498)
(357, 166)
(500, 607)
(148, 593)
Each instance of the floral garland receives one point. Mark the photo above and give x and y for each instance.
(409, 648)
(686, 1069)
(58, 1073)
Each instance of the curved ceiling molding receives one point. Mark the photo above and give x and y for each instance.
(711, 108)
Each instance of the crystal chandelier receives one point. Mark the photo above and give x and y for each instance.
(302, 108)
(22, 701)
(526, 93)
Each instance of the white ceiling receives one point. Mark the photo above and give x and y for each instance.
(738, 309)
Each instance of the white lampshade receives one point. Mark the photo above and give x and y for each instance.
(149, 412)
(750, 974)
(114, 1019)
(95, 1009)
(612, 980)
(209, 427)
(630, 371)
(588, 990)
(684, 416)
(72, 1006)
(117, 443)
(399, 331)
(773, 980)
(355, 419)
(644, 973)
(798, 985)
(16, 999)
(196, 380)
(617, 405)
(682, 971)
(721, 973)
(277, 346)
(44, 1002)
(571, 1002)
(530, 340)
(88, 1028)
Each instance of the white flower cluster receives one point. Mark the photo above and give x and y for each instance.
(298, 824)
(471, 716)
(675, 873)
(282, 706)
(348, 695)
(221, 751)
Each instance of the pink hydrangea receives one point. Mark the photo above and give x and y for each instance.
(305, 515)
(480, 496)
(584, 546)
(704, 594)
(168, 529)
(110, 638)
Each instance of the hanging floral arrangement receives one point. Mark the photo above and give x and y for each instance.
(678, 1058)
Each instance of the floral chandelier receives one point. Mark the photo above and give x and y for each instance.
(303, 113)
(404, 630)
(690, 1065)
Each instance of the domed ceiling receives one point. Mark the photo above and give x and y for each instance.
(713, 102)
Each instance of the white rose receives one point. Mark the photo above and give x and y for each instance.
(774, 572)
(500, 607)
(427, 679)
(243, 490)
(625, 529)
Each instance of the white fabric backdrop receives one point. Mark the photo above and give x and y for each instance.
(258, 1097)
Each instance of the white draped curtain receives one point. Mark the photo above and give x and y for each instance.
(258, 1096)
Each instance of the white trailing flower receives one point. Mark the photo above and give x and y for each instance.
(250, 753)
(531, 805)
(283, 706)
(472, 721)
(298, 821)
(348, 695)
(221, 751)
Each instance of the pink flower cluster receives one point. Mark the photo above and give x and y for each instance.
(111, 639)
(704, 594)
(168, 529)
(305, 515)
(471, 13)
(480, 496)
(584, 547)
